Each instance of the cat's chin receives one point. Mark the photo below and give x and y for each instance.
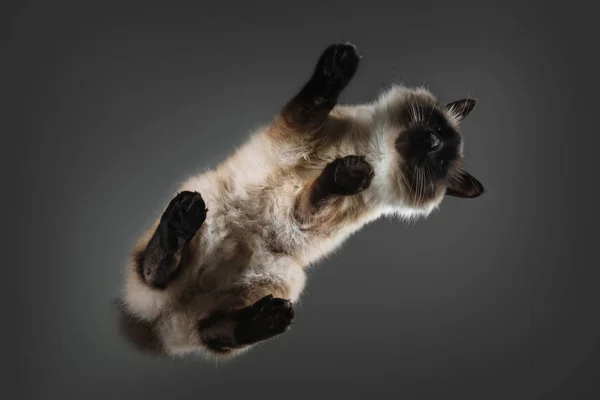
(414, 214)
(425, 201)
(414, 210)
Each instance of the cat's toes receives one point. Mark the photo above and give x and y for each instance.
(280, 315)
(338, 63)
(274, 313)
(185, 214)
(352, 175)
(267, 317)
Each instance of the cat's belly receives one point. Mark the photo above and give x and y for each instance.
(244, 258)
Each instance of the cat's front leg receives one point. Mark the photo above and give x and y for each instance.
(159, 262)
(347, 176)
(342, 177)
(307, 111)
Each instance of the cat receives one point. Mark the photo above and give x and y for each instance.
(221, 269)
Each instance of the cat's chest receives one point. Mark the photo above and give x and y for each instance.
(265, 215)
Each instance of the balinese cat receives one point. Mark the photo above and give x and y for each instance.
(220, 270)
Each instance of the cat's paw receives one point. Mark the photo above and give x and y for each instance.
(268, 317)
(351, 175)
(337, 65)
(184, 215)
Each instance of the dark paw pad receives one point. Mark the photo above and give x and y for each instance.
(337, 65)
(185, 214)
(266, 318)
(352, 174)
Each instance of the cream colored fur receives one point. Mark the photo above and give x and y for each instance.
(250, 199)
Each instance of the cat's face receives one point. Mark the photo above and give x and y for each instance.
(429, 146)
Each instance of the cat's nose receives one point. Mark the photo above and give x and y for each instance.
(435, 143)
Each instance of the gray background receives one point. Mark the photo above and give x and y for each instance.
(112, 104)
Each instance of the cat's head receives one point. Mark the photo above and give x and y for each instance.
(427, 145)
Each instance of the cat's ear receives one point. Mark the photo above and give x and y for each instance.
(461, 108)
(464, 185)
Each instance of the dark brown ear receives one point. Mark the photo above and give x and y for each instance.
(464, 185)
(461, 108)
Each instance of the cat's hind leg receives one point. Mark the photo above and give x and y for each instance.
(159, 262)
(225, 333)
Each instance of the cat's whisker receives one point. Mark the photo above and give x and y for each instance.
(406, 78)
(431, 178)
(430, 114)
(420, 187)
(397, 78)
